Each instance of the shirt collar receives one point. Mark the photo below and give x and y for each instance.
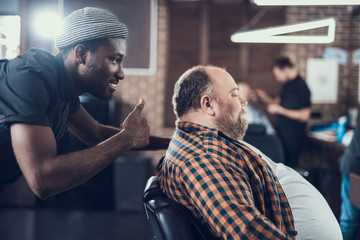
(190, 127)
(194, 127)
(63, 83)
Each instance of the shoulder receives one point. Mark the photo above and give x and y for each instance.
(188, 156)
(299, 87)
(31, 75)
(300, 82)
(39, 53)
(33, 64)
(197, 148)
(34, 59)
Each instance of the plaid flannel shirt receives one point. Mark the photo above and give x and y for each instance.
(225, 185)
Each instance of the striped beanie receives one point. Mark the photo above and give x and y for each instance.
(88, 24)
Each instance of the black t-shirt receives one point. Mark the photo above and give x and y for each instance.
(34, 89)
(294, 95)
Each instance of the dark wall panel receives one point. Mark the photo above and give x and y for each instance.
(245, 62)
(135, 14)
(183, 48)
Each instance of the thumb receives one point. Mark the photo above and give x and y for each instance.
(139, 107)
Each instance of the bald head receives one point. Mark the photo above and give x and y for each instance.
(190, 87)
(209, 96)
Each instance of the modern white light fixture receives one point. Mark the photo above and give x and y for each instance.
(48, 24)
(276, 34)
(305, 2)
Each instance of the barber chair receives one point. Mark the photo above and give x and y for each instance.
(270, 145)
(170, 220)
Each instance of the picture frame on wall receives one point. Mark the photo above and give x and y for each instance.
(140, 17)
(322, 76)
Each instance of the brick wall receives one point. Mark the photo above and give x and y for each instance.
(151, 87)
(348, 84)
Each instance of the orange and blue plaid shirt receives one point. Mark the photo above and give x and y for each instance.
(225, 185)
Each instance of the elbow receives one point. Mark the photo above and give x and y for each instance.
(306, 115)
(306, 118)
(43, 195)
(40, 188)
(42, 192)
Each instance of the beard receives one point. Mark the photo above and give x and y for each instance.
(234, 128)
(93, 80)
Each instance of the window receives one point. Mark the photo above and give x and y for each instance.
(9, 36)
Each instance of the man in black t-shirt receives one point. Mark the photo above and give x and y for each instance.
(292, 107)
(39, 100)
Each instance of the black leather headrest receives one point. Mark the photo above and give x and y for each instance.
(169, 217)
(256, 129)
(152, 189)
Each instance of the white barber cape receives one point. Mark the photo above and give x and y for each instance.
(313, 217)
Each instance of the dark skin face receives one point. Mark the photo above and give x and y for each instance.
(100, 72)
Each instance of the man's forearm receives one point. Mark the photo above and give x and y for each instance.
(70, 170)
(302, 115)
(75, 168)
(157, 143)
(48, 173)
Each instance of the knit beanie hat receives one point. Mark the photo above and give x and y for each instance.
(88, 24)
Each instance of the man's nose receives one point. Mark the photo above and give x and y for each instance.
(243, 102)
(120, 73)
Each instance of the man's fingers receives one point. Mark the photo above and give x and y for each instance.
(138, 108)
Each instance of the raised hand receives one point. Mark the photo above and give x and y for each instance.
(136, 127)
(264, 96)
(274, 108)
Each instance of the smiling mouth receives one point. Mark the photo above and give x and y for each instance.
(113, 85)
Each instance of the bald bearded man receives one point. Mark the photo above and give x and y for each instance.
(230, 186)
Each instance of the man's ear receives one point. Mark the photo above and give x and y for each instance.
(207, 105)
(80, 53)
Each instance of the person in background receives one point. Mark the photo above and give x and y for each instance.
(350, 163)
(227, 184)
(292, 108)
(254, 115)
(39, 100)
